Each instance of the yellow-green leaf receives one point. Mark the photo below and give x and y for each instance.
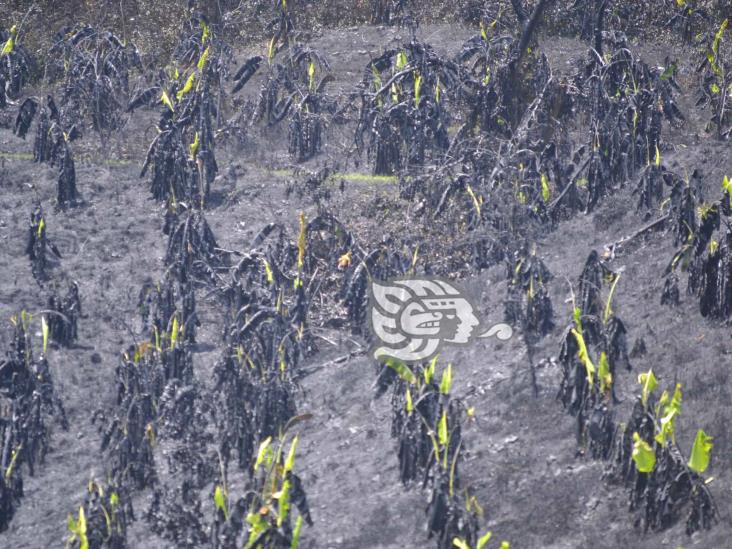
(699, 460)
(446, 382)
(442, 433)
(476, 200)
(262, 452)
(402, 370)
(44, 331)
(174, 332)
(417, 88)
(188, 86)
(204, 58)
(294, 544)
(483, 540)
(649, 383)
(643, 455)
(290, 462)
(311, 75)
(584, 356)
(268, 271)
(603, 373)
(166, 101)
(283, 503)
(546, 192)
(429, 371)
(193, 147)
(220, 501)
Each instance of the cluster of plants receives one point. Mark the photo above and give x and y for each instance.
(62, 315)
(246, 414)
(703, 251)
(94, 66)
(646, 458)
(641, 453)
(51, 144)
(427, 423)
(481, 143)
(29, 404)
(527, 303)
(715, 81)
(17, 65)
(294, 89)
(181, 159)
(593, 350)
(403, 117)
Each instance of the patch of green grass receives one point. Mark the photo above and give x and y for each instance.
(348, 176)
(16, 156)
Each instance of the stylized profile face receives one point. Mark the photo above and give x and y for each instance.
(457, 318)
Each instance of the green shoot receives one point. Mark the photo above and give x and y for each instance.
(446, 383)
(699, 460)
(44, 331)
(608, 306)
(603, 374)
(78, 530)
(649, 382)
(220, 501)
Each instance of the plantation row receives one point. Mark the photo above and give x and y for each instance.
(490, 143)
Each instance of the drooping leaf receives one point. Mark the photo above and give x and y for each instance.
(188, 86)
(402, 370)
(643, 455)
(204, 58)
(166, 101)
(584, 356)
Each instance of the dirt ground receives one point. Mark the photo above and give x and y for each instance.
(522, 460)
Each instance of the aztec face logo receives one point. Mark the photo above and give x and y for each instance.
(412, 318)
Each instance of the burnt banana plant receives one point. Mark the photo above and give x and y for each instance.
(593, 349)
(404, 113)
(96, 67)
(16, 65)
(30, 402)
(663, 487)
(181, 159)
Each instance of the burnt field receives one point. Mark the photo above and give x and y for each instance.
(188, 243)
